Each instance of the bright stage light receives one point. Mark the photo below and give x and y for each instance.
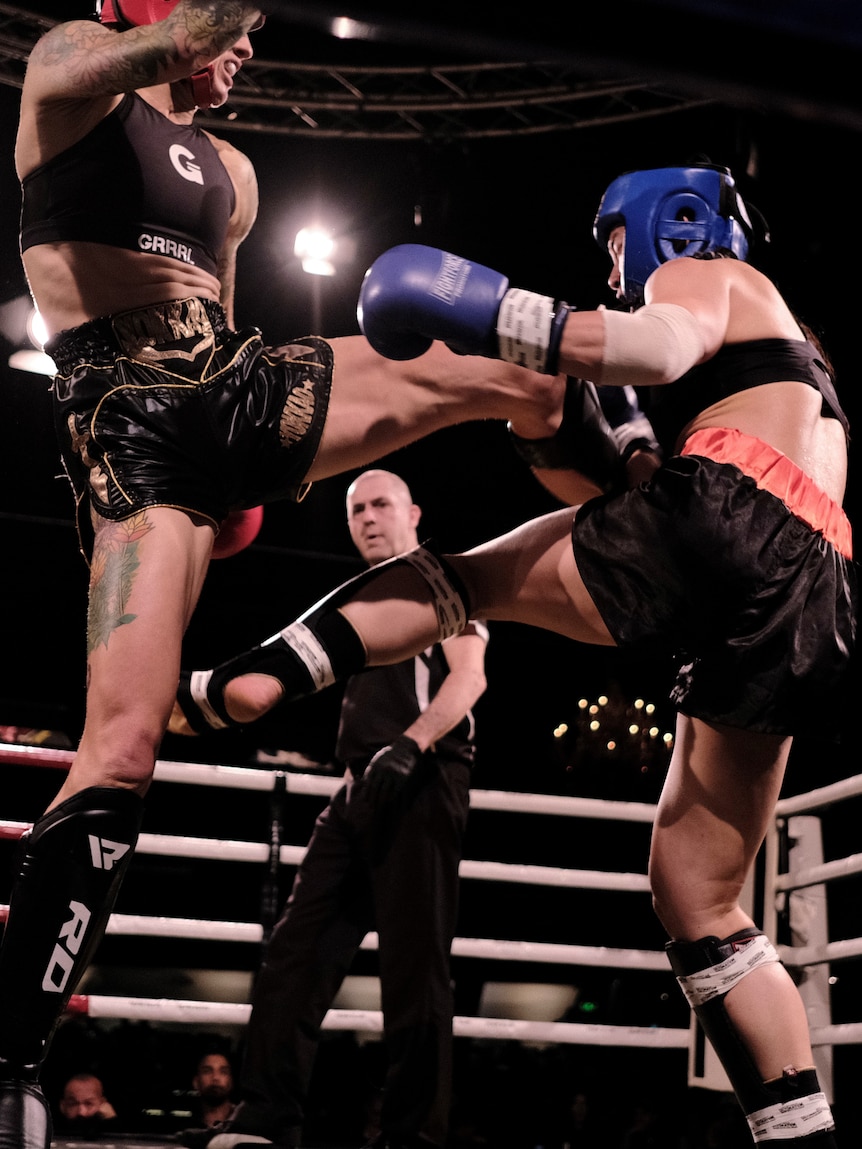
(315, 248)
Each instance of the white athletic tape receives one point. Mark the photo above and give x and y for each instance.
(451, 615)
(198, 686)
(798, 1118)
(309, 650)
(719, 979)
(524, 328)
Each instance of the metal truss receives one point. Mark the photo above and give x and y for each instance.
(434, 103)
(444, 102)
(19, 31)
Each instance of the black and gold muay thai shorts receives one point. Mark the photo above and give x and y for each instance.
(166, 406)
(733, 562)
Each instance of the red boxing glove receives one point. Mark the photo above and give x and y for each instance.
(238, 530)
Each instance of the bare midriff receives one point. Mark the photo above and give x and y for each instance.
(788, 417)
(72, 283)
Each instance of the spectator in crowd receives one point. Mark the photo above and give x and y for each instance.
(83, 1108)
(213, 1084)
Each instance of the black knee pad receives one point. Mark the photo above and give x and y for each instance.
(707, 970)
(71, 868)
(321, 647)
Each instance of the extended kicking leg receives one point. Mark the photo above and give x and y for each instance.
(320, 648)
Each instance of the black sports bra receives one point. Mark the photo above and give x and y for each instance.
(136, 181)
(737, 367)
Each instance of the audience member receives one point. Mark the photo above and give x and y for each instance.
(213, 1084)
(584, 1127)
(83, 1108)
(649, 1128)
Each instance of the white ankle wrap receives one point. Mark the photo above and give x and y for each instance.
(719, 979)
(787, 1121)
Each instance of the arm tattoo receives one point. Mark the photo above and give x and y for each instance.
(206, 28)
(112, 573)
(80, 52)
(196, 31)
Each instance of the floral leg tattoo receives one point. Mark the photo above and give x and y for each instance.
(112, 573)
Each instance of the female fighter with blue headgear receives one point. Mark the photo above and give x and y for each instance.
(736, 554)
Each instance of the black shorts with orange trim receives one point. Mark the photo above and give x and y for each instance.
(166, 406)
(743, 569)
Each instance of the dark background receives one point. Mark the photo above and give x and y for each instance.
(782, 111)
(523, 205)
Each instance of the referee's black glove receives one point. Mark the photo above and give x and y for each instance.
(392, 771)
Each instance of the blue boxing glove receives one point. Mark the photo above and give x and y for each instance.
(412, 295)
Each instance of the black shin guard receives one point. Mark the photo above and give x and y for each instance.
(25, 1118)
(306, 656)
(320, 648)
(788, 1108)
(73, 862)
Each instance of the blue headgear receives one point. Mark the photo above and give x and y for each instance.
(669, 212)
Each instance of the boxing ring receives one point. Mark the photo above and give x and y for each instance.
(791, 888)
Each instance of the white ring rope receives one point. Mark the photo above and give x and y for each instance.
(371, 1021)
(222, 849)
(265, 780)
(567, 1033)
(815, 875)
(819, 799)
(247, 778)
(236, 851)
(196, 929)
